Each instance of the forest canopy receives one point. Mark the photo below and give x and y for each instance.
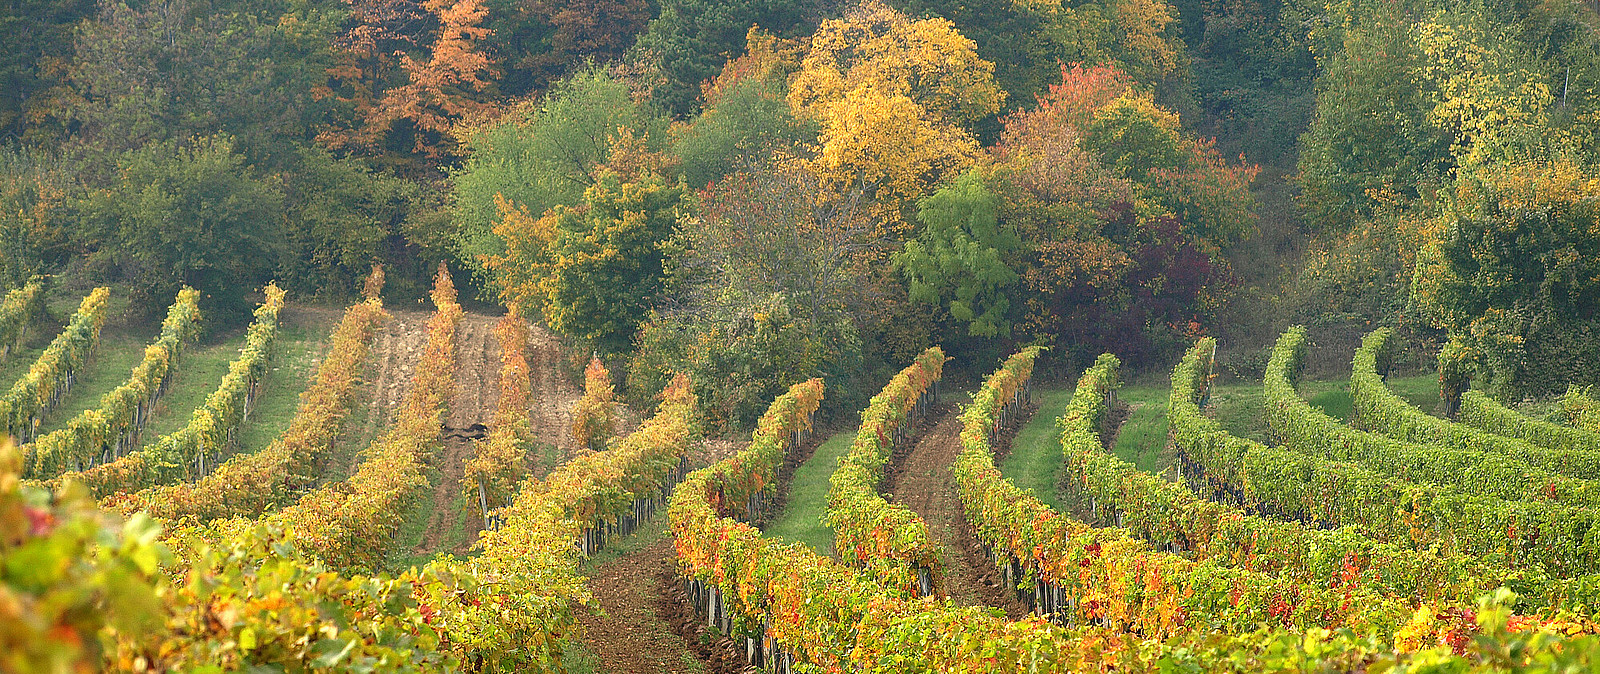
(758, 193)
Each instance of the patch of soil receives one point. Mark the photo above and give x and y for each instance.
(477, 392)
(1111, 428)
(923, 481)
(391, 360)
(553, 395)
(637, 628)
(718, 653)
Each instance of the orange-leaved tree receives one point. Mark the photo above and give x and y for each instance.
(452, 83)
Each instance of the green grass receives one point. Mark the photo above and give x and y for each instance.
(120, 350)
(294, 360)
(58, 309)
(1035, 459)
(1143, 438)
(198, 373)
(801, 521)
(1238, 406)
(17, 364)
(1421, 390)
(345, 453)
(413, 528)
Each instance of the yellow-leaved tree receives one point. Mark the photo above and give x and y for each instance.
(892, 97)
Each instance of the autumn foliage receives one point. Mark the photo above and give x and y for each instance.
(350, 522)
(499, 461)
(594, 415)
(247, 486)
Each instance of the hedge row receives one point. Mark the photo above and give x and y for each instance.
(594, 415)
(867, 528)
(352, 522)
(1454, 454)
(1080, 574)
(184, 455)
(99, 435)
(490, 477)
(1481, 411)
(1582, 410)
(249, 485)
(18, 309)
(24, 405)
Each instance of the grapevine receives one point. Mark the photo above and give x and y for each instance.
(1079, 574)
(246, 486)
(490, 477)
(18, 309)
(594, 415)
(186, 453)
(1482, 412)
(868, 530)
(1448, 453)
(99, 435)
(352, 522)
(23, 407)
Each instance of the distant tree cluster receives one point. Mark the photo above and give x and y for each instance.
(831, 208)
(760, 192)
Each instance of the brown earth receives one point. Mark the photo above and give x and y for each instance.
(391, 361)
(471, 411)
(636, 629)
(553, 395)
(645, 623)
(923, 481)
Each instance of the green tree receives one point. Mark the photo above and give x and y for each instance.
(190, 213)
(340, 216)
(1513, 275)
(543, 154)
(690, 40)
(766, 289)
(38, 39)
(1028, 41)
(36, 192)
(594, 270)
(537, 41)
(1370, 134)
(171, 70)
(1134, 137)
(746, 115)
(959, 260)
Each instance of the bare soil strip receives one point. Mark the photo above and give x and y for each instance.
(392, 359)
(923, 481)
(635, 630)
(553, 395)
(471, 410)
(644, 623)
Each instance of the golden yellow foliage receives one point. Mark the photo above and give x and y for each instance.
(522, 269)
(884, 142)
(876, 47)
(891, 96)
(593, 416)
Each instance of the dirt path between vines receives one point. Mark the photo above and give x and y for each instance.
(553, 395)
(471, 410)
(391, 361)
(644, 612)
(633, 632)
(924, 482)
